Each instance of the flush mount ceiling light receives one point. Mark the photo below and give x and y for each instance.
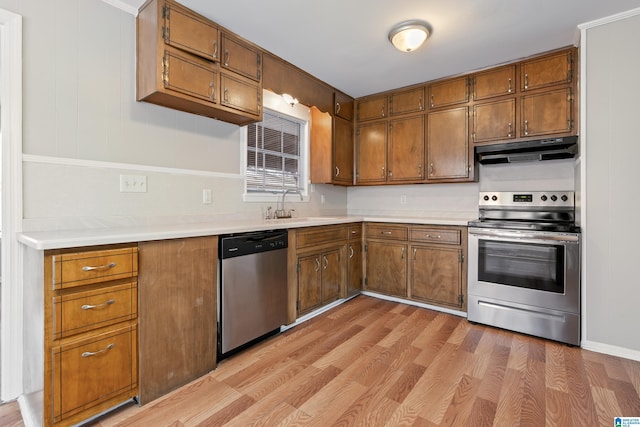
(409, 35)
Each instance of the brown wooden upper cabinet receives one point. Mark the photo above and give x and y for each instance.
(240, 57)
(449, 92)
(407, 101)
(189, 63)
(373, 108)
(343, 106)
(495, 82)
(371, 153)
(188, 31)
(494, 121)
(547, 113)
(548, 70)
(406, 149)
(448, 144)
(342, 151)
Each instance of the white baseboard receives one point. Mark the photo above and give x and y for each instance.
(611, 350)
(31, 409)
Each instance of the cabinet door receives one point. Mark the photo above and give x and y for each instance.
(495, 82)
(309, 283)
(190, 76)
(372, 108)
(406, 149)
(354, 268)
(436, 275)
(190, 32)
(409, 101)
(331, 276)
(547, 71)
(547, 113)
(449, 92)
(387, 268)
(343, 106)
(494, 121)
(447, 144)
(371, 152)
(240, 57)
(343, 151)
(240, 94)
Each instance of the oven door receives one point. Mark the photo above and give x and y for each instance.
(533, 268)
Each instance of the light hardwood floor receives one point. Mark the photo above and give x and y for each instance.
(371, 362)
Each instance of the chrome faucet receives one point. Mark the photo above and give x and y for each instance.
(280, 213)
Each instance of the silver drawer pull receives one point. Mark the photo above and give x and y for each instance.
(104, 304)
(99, 267)
(93, 353)
(433, 236)
(388, 233)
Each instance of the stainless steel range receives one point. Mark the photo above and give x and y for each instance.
(524, 264)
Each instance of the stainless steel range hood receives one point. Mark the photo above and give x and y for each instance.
(527, 151)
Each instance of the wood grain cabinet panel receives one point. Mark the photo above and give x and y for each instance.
(189, 31)
(343, 106)
(240, 94)
(406, 149)
(494, 121)
(373, 108)
(343, 151)
(309, 283)
(547, 113)
(436, 275)
(371, 153)
(354, 267)
(190, 76)
(407, 101)
(547, 70)
(448, 144)
(240, 57)
(495, 82)
(449, 92)
(386, 268)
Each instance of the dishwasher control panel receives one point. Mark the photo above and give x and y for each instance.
(234, 245)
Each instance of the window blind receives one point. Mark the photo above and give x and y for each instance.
(273, 154)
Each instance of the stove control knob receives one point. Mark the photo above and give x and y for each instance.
(494, 198)
(486, 198)
(543, 198)
(554, 198)
(564, 198)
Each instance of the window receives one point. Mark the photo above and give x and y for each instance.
(273, 154)
(276, 151)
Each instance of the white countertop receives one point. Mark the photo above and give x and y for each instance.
(59, 239)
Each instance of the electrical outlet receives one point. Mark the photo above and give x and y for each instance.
(133, 183)
(403, 199)
(206, 196)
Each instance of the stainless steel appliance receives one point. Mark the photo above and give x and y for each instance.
(253, 288)
(524, 264)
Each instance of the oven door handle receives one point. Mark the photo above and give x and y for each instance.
(509, 235)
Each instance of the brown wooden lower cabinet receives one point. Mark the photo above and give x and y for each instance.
(177, 310)
(425, 263)
(90, 331)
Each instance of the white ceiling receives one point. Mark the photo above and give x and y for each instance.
(344, 42)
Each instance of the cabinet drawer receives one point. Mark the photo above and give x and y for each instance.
(355, 231)
(93, 370)
(83, 268)
(395, 232)
(320, 235)
(83, 311)
(435, 235)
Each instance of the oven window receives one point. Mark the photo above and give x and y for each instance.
(525, 265)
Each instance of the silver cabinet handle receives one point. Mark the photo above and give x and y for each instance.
(317, 264)
(432, 104)
(420, 106)
(212, 92)
(325, 262)
(388, 233)
(226, 95)
(215, 49)
(93, 353)
(526, 127)
(432, 236)
(420, 170)
(337, 171)
(415, 252)
(99, 267)
(431, 169)
(104, 304)
(382, 172)
(510, 130)
(226, 57)
(337, 108)
(350, 251)
(509, 90)
(526, 81)
(402, 254)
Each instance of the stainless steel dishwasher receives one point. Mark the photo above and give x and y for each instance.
(253, 288)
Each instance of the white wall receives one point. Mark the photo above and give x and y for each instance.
(611, 282)
(83, 128)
